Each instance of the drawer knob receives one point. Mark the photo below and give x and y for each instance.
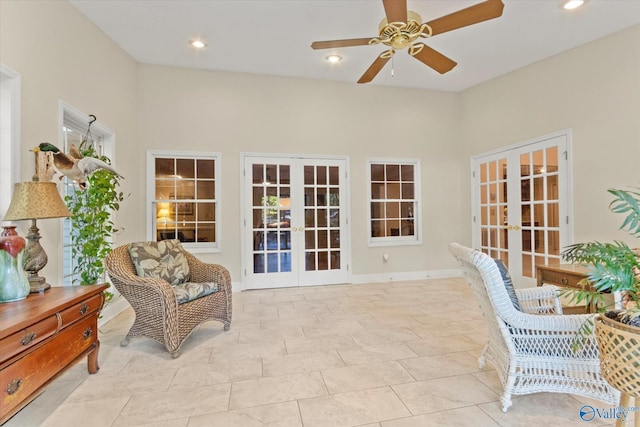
(14, 386)
(83, 309)
(28, 337)
(564, 281)
(87, 333)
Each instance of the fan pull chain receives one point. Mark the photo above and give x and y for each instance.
(392, 67)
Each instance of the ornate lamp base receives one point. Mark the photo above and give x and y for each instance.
(37, 284)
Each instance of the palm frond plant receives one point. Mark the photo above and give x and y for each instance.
(614, 267)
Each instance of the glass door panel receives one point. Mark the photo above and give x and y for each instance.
(271, 214)
(520, 197)
(539, 173)
(493, 208)
(322, 218)
(295, 222)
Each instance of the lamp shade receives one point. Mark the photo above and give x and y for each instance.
(36, 200)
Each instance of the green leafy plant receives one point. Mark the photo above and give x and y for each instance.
(614, 267)
(91, 222)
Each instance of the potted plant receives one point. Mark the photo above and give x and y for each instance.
(615, 268)
(92, 225)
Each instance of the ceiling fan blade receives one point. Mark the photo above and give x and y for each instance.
(480, 12)
(374, 69)
(432, 58)
(396, 10)
(340, 43)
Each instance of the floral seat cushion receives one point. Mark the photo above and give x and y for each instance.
(189, 291)
(164, 260)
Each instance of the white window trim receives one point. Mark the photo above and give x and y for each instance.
(10, 93)
(194, 247)
(417, 217)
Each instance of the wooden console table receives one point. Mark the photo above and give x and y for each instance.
(42, 336)
(564, 276)
(569, 276)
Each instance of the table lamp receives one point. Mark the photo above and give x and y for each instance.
(35, 200)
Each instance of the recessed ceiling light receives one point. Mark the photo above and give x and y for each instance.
(573, 4)
(333, 59)
(198, 44)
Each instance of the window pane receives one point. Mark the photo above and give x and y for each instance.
(393, 172)
(393, 201)
(185, 168)
(407, 172)
(185, 192)
(334, 178)
(377, 191)
(407, 191)
(205, 169)
(205, 190)
(377, 172)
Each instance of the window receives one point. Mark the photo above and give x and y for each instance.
(9, 134)
(184, 198)
(394, 202)
(73, 129)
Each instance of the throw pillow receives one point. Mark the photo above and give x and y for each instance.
(164, 260)
(508, 283)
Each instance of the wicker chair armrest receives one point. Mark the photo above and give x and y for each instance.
(540, 300)
(551, 324)
(555, 336)
(205, 272)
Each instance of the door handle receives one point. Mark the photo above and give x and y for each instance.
(513, 227)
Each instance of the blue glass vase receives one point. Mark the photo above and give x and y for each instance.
(14, 284)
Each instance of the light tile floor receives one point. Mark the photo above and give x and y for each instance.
(400, 354)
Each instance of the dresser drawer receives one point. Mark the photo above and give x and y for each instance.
(80, 310)
(560, 278)
(28, 337)
(24, 377)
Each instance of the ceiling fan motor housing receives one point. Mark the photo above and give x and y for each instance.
(399, 35)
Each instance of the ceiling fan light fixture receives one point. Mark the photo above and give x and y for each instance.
(572, 4)
(333, 59)
(198, 44)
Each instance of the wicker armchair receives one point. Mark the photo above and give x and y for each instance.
(532, 350)
(157, 313)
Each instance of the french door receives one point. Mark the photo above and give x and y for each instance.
(520, 206)
(295, 221)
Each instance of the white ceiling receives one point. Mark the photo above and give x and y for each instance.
(274, 37)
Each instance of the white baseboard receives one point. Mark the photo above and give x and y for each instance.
(400, 276)
(387, 277)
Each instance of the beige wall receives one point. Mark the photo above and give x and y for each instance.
(62, 56)
(594, 90)
(234, 113)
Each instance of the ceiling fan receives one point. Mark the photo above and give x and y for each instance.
(401, 28)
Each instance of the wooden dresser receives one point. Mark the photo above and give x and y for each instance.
(43, 335)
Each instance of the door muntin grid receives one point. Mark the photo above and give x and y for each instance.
(540, 212)
(522, 196)
(271, 217)
(321, 217)
(494, 209)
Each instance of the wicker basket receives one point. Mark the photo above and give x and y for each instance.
(619, 346)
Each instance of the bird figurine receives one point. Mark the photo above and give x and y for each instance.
(73, 165)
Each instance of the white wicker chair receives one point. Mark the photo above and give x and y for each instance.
(532, 350)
